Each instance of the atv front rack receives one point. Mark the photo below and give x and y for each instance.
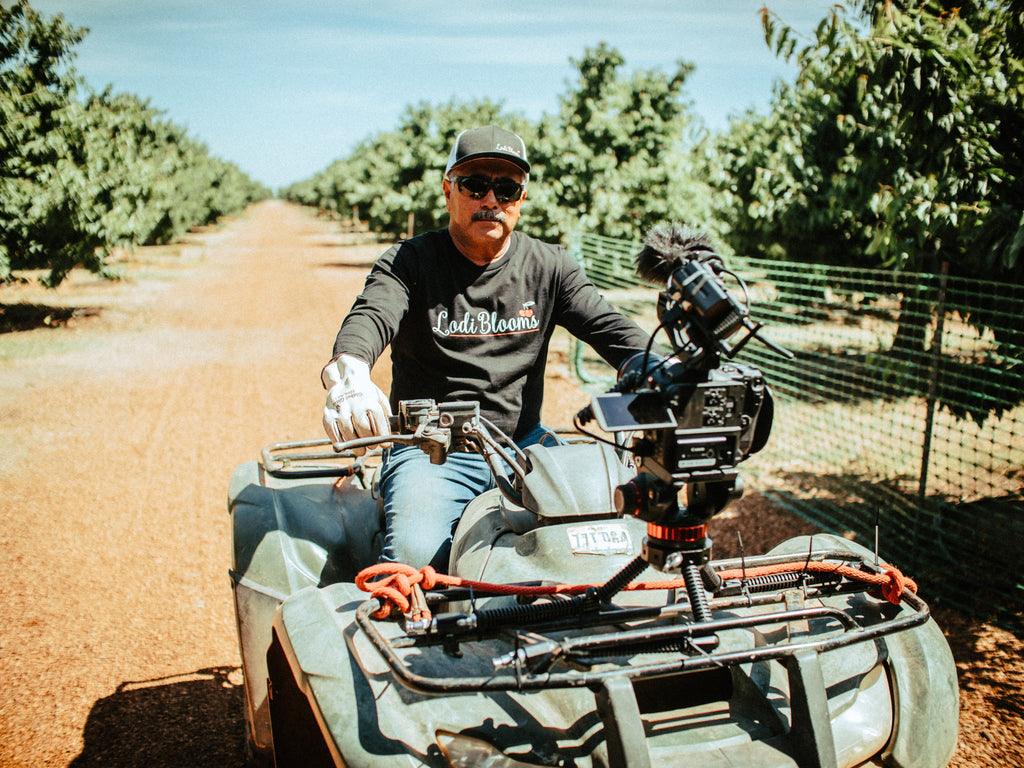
(652, 628)
(620, 657)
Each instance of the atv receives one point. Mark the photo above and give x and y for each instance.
(583, 620)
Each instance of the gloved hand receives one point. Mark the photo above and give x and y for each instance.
(355, 405)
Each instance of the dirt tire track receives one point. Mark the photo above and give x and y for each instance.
(118, 644)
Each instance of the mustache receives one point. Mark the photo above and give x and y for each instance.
(489, 215)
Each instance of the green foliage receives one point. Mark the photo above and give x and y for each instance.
(613, 160)
(898, 144)
(35, 90)
(395, 173)
(81, 174)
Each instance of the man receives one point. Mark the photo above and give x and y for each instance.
(469, 312)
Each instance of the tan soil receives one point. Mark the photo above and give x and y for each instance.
(122, 421)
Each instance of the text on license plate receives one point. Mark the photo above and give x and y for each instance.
(600, 539)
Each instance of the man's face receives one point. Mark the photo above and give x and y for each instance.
(484, 222)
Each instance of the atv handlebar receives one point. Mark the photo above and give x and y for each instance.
(438, 429)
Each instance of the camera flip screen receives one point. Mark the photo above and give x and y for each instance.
(623, 412)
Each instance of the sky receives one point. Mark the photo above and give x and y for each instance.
(282, 89)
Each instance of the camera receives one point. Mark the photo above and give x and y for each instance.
(689, 417)
(698, 417)
(693, 428)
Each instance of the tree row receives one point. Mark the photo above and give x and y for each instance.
(83, 172)
(898, 144)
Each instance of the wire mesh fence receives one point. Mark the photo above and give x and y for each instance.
(900, 416)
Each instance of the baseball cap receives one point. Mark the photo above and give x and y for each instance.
(489, 141)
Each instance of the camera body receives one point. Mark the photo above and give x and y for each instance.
(694, 428)
(720, 421)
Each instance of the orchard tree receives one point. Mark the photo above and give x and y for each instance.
(898, 145)
(612, 161)
(81, 173)
(36, 89)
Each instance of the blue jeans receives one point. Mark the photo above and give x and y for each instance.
(423, 502)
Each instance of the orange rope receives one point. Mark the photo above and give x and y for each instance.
(393, 583)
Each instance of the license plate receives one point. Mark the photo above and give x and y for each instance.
(600, 539)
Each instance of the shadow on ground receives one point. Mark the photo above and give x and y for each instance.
(173, 722)
(26, 317)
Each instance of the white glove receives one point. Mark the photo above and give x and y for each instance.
(355, 405)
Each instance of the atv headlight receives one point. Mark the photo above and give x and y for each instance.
(468, 752)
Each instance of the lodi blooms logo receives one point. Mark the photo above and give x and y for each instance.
(507, 148)
(485, 323)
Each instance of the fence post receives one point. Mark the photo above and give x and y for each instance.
(933, 381)
(577, 347)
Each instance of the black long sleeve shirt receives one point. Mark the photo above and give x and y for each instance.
(459, 331)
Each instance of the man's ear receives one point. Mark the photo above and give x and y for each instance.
(446, 187)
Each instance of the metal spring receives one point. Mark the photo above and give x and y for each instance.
(770, 582)
(683, 645)
(695, 591)
(723, 327)
(536, 612)
(619, 581)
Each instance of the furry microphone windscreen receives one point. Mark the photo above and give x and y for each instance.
(667, 247)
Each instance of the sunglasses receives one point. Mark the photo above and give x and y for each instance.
(506, 190)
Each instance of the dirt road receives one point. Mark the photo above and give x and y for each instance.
(120, 431)
(118, 645)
